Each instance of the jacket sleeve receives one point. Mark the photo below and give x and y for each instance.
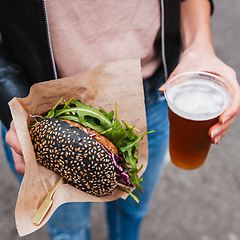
(12, 84)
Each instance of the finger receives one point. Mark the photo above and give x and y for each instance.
(178, 70)
(12, 139)
(217, 139)
(173, 74)
(19, 163)
(232, 112)
(217, 131)
(234, 109)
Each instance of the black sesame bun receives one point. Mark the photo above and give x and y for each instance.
(80, 158)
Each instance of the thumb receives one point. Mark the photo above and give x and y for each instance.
(162, 88)
(175, 72)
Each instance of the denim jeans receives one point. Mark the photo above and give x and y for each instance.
(71, 221)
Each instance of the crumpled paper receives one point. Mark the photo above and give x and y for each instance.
(114, 82)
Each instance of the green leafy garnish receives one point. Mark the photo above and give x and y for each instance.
(120, 134)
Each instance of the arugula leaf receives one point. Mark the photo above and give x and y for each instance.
(51, 113)
(133, 143)
(130, 193)
(116, 134)
(108, 115)
(98, 122)
(67, 104)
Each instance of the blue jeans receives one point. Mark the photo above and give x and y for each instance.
(71, 221)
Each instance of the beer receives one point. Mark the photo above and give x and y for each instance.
(189, 141)
(195, 102)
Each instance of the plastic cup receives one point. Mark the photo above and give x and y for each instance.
(195, 101)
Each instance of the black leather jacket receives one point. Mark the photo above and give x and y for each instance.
(25, 50)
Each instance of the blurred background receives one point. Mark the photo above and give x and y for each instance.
(203, 204)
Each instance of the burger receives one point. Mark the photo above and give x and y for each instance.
(89, 148)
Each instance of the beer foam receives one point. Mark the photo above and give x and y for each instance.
(198, 99)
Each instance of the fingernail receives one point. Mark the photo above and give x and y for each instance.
(225, 119)
(214, 133)
(217, 140)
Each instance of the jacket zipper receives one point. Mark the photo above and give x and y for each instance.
(163, 40)
(49, 39)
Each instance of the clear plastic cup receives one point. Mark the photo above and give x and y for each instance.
(195, 101)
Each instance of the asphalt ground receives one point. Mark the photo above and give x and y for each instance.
(203, 204)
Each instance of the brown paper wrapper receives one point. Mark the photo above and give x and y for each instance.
(115, 82)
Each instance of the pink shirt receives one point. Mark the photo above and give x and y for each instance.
(87, 33)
